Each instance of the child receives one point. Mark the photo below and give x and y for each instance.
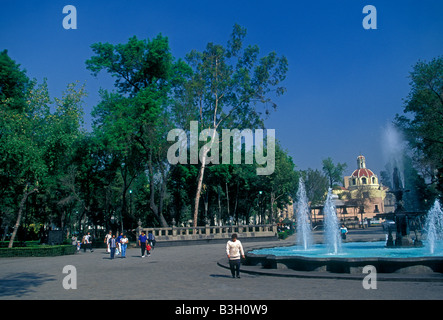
(148, 248)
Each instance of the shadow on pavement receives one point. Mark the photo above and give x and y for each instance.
(20, 284)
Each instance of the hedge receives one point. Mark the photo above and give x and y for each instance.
(38, 251)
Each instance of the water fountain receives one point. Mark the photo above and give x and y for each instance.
(351, 257)
(402, 254)
(304, 232)
(434, 227)
(332, 234)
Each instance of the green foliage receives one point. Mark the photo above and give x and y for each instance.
(423, 119)
(54, 172)
(38, 251)
(334, 172)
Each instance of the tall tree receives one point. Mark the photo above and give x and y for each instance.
(227, 84)
(334, 172)
(423, 119)
(136, 115)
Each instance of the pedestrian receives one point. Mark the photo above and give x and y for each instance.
(119, 245)
(234, 250)
(107, 237)
(142, 243)
(151, 239)
(84, 243)
(88, 241)
(74, 240)
(148, 249)
(124, 243)
(343, 231)
(112, 245)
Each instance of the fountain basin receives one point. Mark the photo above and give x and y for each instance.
(352, 258)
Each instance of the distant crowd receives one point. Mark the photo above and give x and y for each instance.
(116, 245)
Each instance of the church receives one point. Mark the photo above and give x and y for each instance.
(362, 197)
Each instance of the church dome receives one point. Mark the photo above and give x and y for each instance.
(363, 172)
(362, 175)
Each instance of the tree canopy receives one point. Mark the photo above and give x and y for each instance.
(55, 174)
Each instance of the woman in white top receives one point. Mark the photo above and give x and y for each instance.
(234, 250)
(124, 243)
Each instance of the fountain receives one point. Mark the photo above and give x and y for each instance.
(304, 232)
(404, 221)
(332, 234)
(352, 257)
(434, 227)
(402, 254)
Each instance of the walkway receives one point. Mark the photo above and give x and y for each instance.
(184, 273)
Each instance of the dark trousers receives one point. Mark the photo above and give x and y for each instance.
(87, 246)
(234, 265)
(112, 252)
(143, 247)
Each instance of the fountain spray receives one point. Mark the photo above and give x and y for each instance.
(304, 232)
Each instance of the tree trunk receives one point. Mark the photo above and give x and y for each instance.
(158, 214)
(227, 199)
(201, 173)
(20, 212)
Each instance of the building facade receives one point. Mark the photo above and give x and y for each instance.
(362, 194)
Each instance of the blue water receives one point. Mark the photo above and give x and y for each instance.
(355, 250)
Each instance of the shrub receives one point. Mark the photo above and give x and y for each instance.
(38, 251)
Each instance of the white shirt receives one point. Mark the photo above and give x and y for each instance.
(234, 249)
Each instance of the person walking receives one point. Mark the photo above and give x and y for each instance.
(107, 237)
(112, 245)
(151, 239)
(142, 243)
(343, 231)
(119, 245)
(124, 244)
(234, 250)
(87, 242)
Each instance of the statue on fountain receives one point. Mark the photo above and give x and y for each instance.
(402, 218)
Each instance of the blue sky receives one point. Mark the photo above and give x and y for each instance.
(344, 83)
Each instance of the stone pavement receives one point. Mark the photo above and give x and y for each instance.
(185, 273)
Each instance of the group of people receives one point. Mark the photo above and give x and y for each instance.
(118, 245)
(85, 243)
(146, 243)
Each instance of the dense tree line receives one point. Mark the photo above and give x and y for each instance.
(54, 173)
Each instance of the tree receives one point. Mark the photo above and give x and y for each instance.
(316, 185)
(14, 84)
(135, 119)
(423, 119)
(332, 171)
(36, 146)
(283, 182)
(22, 165)
(226, 85)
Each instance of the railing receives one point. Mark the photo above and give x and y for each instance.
(211, 232)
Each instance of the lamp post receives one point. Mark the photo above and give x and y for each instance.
(259, 206)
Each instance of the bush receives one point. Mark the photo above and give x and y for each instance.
(38, 251)
(284, 234)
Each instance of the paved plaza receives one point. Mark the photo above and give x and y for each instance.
(185, 273)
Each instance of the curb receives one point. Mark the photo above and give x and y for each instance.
(259, 270)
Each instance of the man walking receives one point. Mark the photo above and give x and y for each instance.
(142, 243)
(234, 249)
(112, 245)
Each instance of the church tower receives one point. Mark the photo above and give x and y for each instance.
(361, 162)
